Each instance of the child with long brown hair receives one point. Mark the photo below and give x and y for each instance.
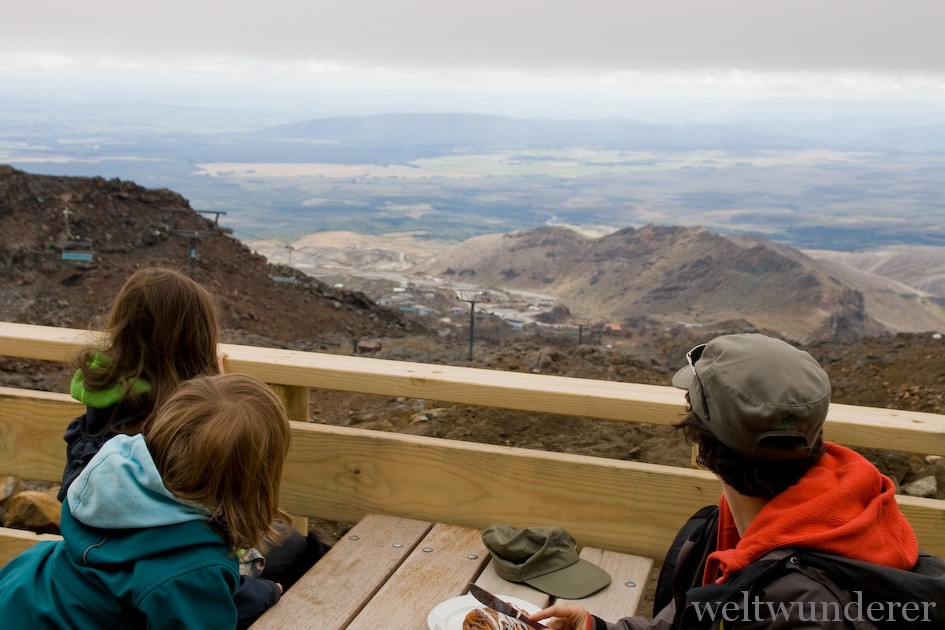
(160, 331)
(150, 525)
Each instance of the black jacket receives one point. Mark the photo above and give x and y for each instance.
(86, 434)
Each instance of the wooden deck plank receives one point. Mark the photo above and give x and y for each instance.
(440, 567)
(886, 429)
(499, 586)
(341, 473)
(629, 575)
(622, 596)
(47, 343)
(335, 590)
(32, 424)
(345, 473)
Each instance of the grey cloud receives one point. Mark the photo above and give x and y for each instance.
(867, 35)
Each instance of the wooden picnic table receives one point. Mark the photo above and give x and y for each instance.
(390, 572)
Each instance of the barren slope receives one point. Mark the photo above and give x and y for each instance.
(920, 267)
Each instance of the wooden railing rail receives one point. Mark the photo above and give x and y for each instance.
(297, 371)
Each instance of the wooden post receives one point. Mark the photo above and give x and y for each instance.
(296, 400)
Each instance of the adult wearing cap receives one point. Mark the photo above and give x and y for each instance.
(757, 406)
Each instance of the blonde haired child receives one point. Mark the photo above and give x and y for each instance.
(150, 525)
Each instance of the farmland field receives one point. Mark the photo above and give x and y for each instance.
(810, 198)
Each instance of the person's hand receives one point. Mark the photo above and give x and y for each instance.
(221, 357)
(565, 617)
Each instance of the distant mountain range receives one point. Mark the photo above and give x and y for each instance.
(451, 130)
(692, 277)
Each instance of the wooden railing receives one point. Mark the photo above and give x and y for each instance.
(342, 473)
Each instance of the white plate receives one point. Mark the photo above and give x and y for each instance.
(449, 615)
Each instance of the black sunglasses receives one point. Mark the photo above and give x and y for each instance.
(692, 356)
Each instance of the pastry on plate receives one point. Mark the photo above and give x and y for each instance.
(488, 619)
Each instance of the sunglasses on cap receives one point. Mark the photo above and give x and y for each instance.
(691, 357)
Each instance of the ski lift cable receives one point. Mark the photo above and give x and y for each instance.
(256, 237)
(264, 239)
(273, 240)
(288, 246)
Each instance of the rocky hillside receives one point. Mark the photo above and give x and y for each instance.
(127, 226)
(686, 275)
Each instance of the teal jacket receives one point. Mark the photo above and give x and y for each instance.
(132, 556)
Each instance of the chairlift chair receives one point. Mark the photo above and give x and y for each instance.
(79, 251)
(286, 279)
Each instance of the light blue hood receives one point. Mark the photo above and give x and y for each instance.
(121, 488)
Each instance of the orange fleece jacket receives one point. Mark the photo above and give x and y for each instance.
(843, 506)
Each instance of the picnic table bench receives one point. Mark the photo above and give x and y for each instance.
(390, 572)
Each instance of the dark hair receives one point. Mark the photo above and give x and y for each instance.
(753, 477)
(162, 328)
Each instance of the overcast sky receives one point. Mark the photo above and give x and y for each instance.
(570, 52)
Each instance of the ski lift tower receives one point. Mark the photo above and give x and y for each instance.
(580, 322)
(193, 235)
(471, 296)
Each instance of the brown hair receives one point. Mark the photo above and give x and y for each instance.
(751, 476)
(221, 441)
(162, 327)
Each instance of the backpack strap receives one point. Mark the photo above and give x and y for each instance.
(700, 530)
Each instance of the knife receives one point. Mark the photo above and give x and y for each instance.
(503, 607)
